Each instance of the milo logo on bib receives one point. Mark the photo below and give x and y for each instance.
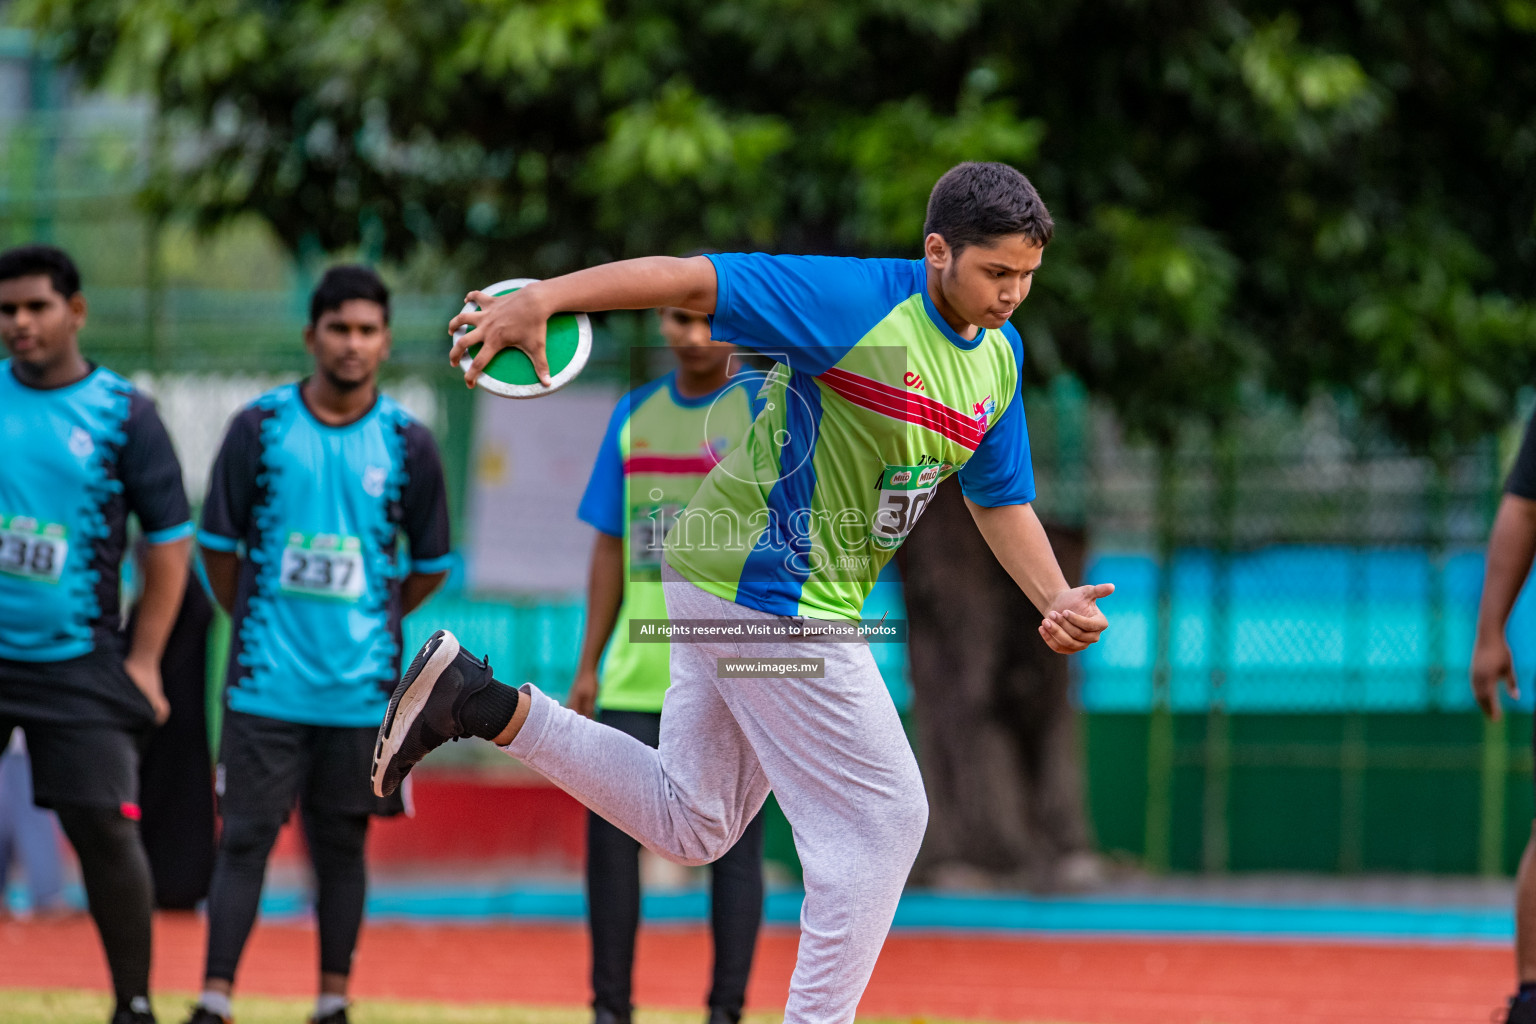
(904, 492)
(325, 565)
(33, 549)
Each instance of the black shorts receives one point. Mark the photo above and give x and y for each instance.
(86, 725)
(92, 689)
(81, 765)
(267, 765)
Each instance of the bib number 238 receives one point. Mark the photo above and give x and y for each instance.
(32, 550)
(323, 565)
(904, 492)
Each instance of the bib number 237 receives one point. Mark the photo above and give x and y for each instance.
(323, 565)
(904, 492)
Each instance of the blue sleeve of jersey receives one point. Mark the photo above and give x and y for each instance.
(232, 483)
(602, 504)
(151, 475)
(424, 503)
(804, 311)
(1000, 472)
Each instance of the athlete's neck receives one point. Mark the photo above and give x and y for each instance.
(337, 406)
(959, 324)
(697, 385)
(61, 373)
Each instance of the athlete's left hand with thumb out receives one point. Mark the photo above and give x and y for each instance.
(1073, 621)
(515, 320)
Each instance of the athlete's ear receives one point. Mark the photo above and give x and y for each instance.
(936, 250)
(309, 338)
(77, 309)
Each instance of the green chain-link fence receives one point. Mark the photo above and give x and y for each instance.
(1284, 685)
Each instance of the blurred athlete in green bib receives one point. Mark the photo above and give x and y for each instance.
(663, 440)
(891, 377)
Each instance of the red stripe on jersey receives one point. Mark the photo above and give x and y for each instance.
(876, 396)
(872, 388)
(670, 465)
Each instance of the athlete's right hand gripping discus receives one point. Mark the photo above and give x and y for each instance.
(568, 343)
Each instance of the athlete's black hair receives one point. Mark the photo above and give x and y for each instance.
(974, 203)
(48, 260)
(342, 284)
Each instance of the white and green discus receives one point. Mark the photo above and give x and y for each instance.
(568, 344)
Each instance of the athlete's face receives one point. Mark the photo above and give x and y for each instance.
(687, 335)
(349, 343)
(984, 284)
(38, 324)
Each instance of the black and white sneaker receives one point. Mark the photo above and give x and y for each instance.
(424, 710)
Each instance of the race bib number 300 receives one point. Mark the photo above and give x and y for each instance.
(32, 549)
(323, 565)
(904, 492)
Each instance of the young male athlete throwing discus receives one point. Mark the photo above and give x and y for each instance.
(892, 375)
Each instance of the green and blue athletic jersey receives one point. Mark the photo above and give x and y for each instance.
(318, 513)
(873, 402)
(78, 460)
(657, 450)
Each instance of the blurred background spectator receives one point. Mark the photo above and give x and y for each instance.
(29, 838)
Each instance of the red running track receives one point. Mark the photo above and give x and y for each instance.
(1089, 980)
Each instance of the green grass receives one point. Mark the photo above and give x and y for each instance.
(62, 1006)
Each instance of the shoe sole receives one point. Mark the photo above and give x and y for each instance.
(399, 723)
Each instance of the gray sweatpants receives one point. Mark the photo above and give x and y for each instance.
(831, 749)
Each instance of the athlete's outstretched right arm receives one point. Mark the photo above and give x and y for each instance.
(518, 320)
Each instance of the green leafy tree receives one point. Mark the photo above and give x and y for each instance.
(1291, 196)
